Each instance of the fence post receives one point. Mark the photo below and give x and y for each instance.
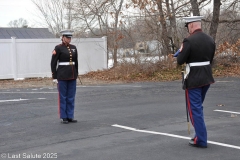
(105, 50)
(14, 58)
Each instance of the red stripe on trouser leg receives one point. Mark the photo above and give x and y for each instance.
(189, 108)
(195, 140)
(58, 103)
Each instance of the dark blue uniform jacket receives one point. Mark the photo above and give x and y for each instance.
(198, 47)
(64, 53)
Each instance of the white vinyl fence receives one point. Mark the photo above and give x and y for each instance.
(29, 58)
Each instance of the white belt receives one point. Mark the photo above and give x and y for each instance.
(187, 68)
(66, 63)
(199, 63)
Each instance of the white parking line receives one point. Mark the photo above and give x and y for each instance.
(13, 100)
(28, 92)
(224, 81)
(226, 111)
(173, 135)
(17, 100)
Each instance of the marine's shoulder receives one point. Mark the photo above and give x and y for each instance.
(59, 45)
(195, 36)
(202, 36)
(71, 45)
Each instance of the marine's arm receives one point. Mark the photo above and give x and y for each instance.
(54, 60)
(184, 53)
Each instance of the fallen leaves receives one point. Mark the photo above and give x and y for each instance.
(155, 72)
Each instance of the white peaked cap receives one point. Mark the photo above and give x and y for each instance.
(67, 32)
(192, 19)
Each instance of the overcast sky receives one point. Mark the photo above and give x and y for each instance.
(11, 10)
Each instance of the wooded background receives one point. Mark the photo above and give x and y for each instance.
(128, 22)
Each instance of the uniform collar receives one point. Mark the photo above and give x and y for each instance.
(65, 44)
(197, 30)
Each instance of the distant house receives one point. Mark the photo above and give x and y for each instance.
(25, 33)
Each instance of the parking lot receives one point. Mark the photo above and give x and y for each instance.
(135, 121)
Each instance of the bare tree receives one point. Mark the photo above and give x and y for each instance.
(56, 14)
(69, 16)
(125, 22)
(20, 23)
(225, 21)
(117, 11)
(215, 18)
(195, 8)
(168, 12)
(164, 28)
(102, 18)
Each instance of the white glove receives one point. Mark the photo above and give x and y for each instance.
(55, 81)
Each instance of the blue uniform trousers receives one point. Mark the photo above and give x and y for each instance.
(195, 98)
(67, 92)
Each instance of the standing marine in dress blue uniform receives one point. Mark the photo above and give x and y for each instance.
(64, 66)
(197, 51)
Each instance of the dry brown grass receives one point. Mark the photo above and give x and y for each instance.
(156, 72)
(126, 73)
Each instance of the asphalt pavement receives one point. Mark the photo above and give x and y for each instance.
(135, 121)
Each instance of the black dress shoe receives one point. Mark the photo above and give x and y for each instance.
(72, 120)
(191, 143)
(64, 121)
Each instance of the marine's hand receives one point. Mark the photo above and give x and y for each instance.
(181, 47)
(54, 52)
(170, 55)
(55, 81)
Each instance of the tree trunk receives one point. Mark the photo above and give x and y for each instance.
(169, 14)
(173, 26)
(215, 18)
(116, 34)
(69, 18)
(164, 29)
(195, 8)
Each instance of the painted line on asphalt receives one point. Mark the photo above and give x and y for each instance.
(173, 135)
(13, 100)
(224, 81)
(217, 110)
(17, 100)
(29, 92)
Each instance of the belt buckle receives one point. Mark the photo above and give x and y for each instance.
(70, 63)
